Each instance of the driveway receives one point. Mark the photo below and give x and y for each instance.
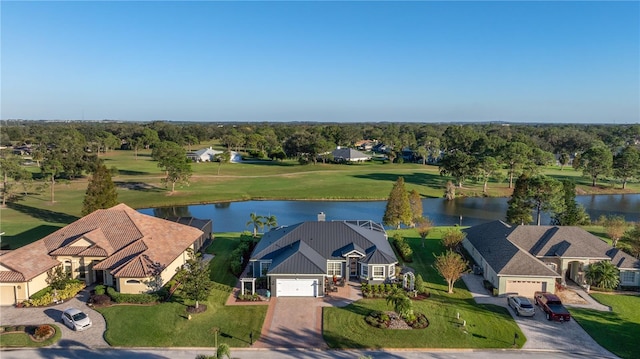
(542, 334)
(296, 322)
(90, 338)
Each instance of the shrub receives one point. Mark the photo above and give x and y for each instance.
(100, 289)
(43, 331)
(420, 286)
(41, 293)
(143, 298)
(101, 299)
(403, 248)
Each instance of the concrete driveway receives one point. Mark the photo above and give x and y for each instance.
(90, 338)
(542, 334)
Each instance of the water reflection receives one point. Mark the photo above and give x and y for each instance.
(233, 216)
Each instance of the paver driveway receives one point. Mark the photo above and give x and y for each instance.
(296, 322)
(90, 338)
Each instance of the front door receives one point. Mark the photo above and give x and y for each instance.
(353, 266)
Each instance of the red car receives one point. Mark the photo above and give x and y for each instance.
(552, 306)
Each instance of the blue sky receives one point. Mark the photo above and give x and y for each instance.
(576, 62)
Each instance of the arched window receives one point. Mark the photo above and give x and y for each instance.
(133, 281)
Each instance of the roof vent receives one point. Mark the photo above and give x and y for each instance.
(321, 217)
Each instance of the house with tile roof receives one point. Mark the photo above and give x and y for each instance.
(524, 259)
(119, 247)
(298, 260)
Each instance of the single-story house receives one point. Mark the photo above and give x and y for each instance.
(524, 259)
(349, 155)
(297, 260)
(119, 247)
(365, 145)
(203, 155)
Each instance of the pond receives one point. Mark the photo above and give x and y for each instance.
(233, 216)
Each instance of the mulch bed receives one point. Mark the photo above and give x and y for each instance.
(193, 310)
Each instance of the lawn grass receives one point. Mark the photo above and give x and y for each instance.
(166, 324)
(33, 216)
(487, 326)
(221, 247)
(618, 330)
(23, 340)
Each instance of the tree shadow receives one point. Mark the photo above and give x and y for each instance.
(131, 173)
(138, 186)
(44, 215)
(24, 238)
(419, 179)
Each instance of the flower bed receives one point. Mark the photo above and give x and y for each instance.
(391, 320)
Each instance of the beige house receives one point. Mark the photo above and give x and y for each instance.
(119, 247)
(525, 259)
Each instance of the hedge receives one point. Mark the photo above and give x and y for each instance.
(403, 248)
(45, 297)
(142, 298)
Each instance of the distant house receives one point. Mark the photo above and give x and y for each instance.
(349, 155)
(119, 247)
(203, 155)
(365, 145)
(298, 260)
(525, 259)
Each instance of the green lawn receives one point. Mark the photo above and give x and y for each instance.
(23, 340)
(34, 216)
(618, 330)
(166, 324)
(488, 326)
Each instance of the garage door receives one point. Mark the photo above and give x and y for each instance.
(296, 288)
(7, 295)
(525, 288)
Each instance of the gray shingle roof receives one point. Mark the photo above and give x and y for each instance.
(623, 260)
(490, 240)
(328, 239)
(561, 241)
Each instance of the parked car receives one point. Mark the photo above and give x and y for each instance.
(521, 305)
(76, 319)
(552, 306)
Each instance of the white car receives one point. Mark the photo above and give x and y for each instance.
(521, 305)
(76, 319)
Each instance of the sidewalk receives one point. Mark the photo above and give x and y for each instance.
(592, 303)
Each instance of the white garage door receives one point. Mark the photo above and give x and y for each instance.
(7, 295)
(525, 288)
(296, 287)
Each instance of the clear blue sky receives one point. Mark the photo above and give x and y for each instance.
(575, 62)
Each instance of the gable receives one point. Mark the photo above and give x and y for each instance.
(559, 241)
(81, 242)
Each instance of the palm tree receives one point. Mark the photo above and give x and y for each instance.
(223, 351)
(400, 301)
(256, 222)
(603, 275)
(271, 221)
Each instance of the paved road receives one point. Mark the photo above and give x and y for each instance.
(542, 334)
(175, 353)
(90, 338)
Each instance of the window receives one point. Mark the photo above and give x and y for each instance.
(67, 268)
(378, 272)
(392, 271)
(628, 277)
(334, 268)
(365, 270)
(264, 268)
(133, 281)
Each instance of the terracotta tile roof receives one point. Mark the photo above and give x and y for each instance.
(93, 252)
(30, 260)
(11, 277)
(132, 242)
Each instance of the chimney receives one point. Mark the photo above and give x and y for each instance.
(321, 217)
